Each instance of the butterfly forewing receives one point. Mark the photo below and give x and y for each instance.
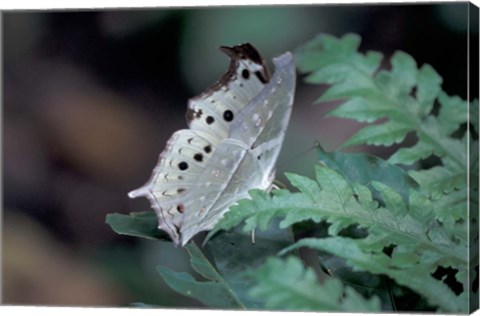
(215, 110)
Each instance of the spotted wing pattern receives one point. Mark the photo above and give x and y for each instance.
(188, 152)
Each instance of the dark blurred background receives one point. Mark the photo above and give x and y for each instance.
(90, 98)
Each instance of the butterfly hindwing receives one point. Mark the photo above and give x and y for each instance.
(212, 183)
(177, 171)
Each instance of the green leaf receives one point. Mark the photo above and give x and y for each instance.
(223, 262)
(141, 224)
(233, 254)
(343, 203)
(287, 285)
(385, 134)
(453, 112)
(233, 218)
(212, 294)
(410, 224)
(404, 70)
(409, 155)
(216, 292)
(202, 264)
(404, 95)
(261, 209)
(325, 48)
(428, 87)
(304, 184)
(363, 168)
(393, 200)
(417, 276)
(452, 206)
(438, 180)
(363, 110)
(336, 61)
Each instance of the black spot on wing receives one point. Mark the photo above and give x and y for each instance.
(180, 208)
(183, 165)
(261, 77)
(228, 115)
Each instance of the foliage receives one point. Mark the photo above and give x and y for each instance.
(403, 227)
(404, 96)
(421, 244)
(221, 264)
(287, 285)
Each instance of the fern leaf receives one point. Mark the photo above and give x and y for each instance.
(393, 200)
(363, 168)
(402, 77)
(452, 206)
(398, 267)
(335, 61)
(409, 155)
(404, 95)
(422, 238)
(438, 180)
(386, 134)
(363, 110)
(428, 87)
(453, 112)
(287, 285)
(343, 203)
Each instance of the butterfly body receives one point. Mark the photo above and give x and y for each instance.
(236, 131)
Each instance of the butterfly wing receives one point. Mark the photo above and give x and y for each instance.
(262, 125)
(246, 159)
(188, 151)
(215, 110)
(176, 173)
(218, 186)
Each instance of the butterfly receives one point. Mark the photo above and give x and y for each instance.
(236, 131)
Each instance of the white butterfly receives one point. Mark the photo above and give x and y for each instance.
(236, 132)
